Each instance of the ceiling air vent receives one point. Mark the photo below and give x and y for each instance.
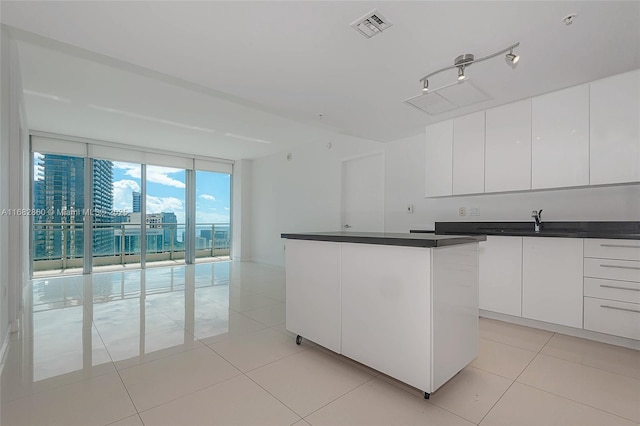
(371, 24)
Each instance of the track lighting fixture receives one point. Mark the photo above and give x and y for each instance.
(463, 61)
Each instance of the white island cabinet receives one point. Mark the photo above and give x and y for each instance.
(408, 311)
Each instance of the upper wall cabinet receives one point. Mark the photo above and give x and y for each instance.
(615, 129)
(508, 147)
(560, 138)
(468, 154)
(439, 159)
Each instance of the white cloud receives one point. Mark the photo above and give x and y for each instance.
(122, 190)
(208, 197)
(160, 175)
(165, 204)
(226, 208)
(155, 174)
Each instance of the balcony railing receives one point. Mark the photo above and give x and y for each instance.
(59, 246)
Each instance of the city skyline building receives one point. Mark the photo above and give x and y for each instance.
(136, 200)
(59, 194)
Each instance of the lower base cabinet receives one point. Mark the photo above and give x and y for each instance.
(612, 287)
(409, 312)
(501, 275)
(314, 300)
(552, 280)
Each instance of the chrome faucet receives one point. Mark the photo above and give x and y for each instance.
(537, 216)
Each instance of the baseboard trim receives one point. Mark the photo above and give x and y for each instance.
(556, 328)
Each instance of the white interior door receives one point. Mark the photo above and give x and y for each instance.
(363, 194)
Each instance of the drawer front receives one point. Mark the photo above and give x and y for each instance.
(612, 249)
(611, 317)
(625, 270)
(622, 291)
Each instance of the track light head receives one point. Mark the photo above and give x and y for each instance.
(461, 75)
(512, 59)
(425, 85)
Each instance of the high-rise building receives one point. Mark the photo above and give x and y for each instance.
(170, 228)
(59, 191)
(136, 201)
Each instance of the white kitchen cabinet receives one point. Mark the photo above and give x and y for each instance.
(439, 159)
(468, 154)
(552, 280)
(560, 138)
(501, 275)
(508, 147)
(313, 291)
(410, 312)
(612, 287)
(615, 129)
(382, 299)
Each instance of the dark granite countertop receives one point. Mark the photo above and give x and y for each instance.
(389, 239)
(606, 229)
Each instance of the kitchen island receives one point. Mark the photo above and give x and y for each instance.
(403, 304)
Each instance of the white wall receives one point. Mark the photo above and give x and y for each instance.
(304, 195)
(14, 187)
(301, 194)
(4, 182)
(241, 199)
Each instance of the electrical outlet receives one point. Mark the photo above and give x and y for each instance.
(410, 209)
(462, 211)
(474, 211)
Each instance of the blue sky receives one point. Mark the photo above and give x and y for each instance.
(166, 192)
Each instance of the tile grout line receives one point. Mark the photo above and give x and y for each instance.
(578, 402)
(516, 379)
(117, 371)
(190, 393)
(341, 396)
(565, 397)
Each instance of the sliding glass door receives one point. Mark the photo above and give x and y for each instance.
(213, 207)
(165, 214)
(92, 210)
(57, 212)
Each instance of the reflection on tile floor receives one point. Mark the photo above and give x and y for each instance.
(207, 344)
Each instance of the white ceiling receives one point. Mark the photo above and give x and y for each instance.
(268, 69)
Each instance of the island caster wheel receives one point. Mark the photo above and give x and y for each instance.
(427, 395)
(298, 339)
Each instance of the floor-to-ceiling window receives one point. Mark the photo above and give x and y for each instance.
(213, 208)
(57, 214)
(100, 205)
(165, 213)
(116, 219)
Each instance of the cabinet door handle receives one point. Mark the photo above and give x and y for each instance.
(620, 267)
(618, 246)
(620, 309)
(619, 288)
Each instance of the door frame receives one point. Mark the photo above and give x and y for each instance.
(343, 163)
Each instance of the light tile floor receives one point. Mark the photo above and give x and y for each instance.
(206, 344)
